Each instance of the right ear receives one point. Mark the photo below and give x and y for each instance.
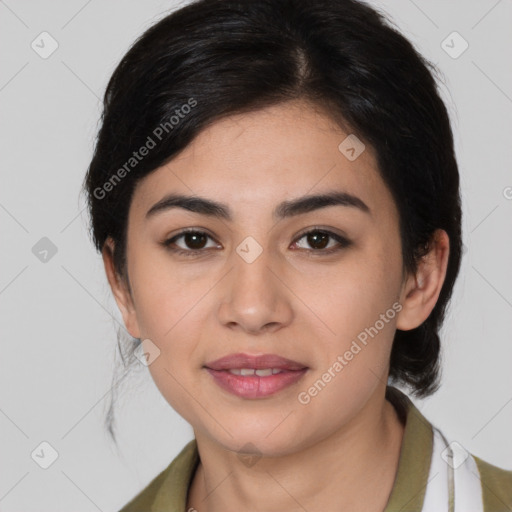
(120, 289)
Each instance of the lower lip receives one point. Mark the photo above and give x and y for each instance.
(252, 386)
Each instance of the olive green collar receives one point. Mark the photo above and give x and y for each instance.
(172, 495)
(411, 480)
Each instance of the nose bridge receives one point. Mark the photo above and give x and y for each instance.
(253, 299)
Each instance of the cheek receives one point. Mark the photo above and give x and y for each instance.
(359, 303)
(352, 296)
(166, 296)
(165, 373)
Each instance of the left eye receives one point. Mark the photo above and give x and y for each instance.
(321, 241)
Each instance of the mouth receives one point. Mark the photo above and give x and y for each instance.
(249, 376)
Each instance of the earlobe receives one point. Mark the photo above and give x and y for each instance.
(421, 291)
(120, 289)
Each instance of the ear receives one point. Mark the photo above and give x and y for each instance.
(420, 291)
(120, 289)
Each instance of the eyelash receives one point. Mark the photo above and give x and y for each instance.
(342, 241)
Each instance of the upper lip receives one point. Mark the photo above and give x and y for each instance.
(233, 361)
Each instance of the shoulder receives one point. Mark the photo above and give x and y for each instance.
(144, 500)
(496, 486)
(169, 485)
(422, 459)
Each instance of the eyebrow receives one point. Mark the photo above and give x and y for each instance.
(285, 209)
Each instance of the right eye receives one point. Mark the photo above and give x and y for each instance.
(190, 242)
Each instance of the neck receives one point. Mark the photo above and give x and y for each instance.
(363, 456)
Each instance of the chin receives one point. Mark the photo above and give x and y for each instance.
(258, 442)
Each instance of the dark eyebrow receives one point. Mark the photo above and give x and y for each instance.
(289, 208)
(315, 202)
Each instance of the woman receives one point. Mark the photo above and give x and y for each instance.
(275, 196)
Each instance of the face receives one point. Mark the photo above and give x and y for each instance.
(261, 267)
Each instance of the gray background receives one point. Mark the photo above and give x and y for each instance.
(59, 321)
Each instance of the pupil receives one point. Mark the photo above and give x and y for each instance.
(318, 240)
(195, 240)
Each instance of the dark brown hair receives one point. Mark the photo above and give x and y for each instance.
(222, 57)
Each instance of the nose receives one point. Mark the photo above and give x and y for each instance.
(254, 299)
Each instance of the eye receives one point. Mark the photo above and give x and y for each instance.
(323, 241)
(190, 242)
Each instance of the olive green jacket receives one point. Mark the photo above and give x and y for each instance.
(418, 472)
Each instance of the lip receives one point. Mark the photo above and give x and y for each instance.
(254, 386)
(240, 360)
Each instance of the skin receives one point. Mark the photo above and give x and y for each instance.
(294, 300)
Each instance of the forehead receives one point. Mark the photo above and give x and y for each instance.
(264, 157)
